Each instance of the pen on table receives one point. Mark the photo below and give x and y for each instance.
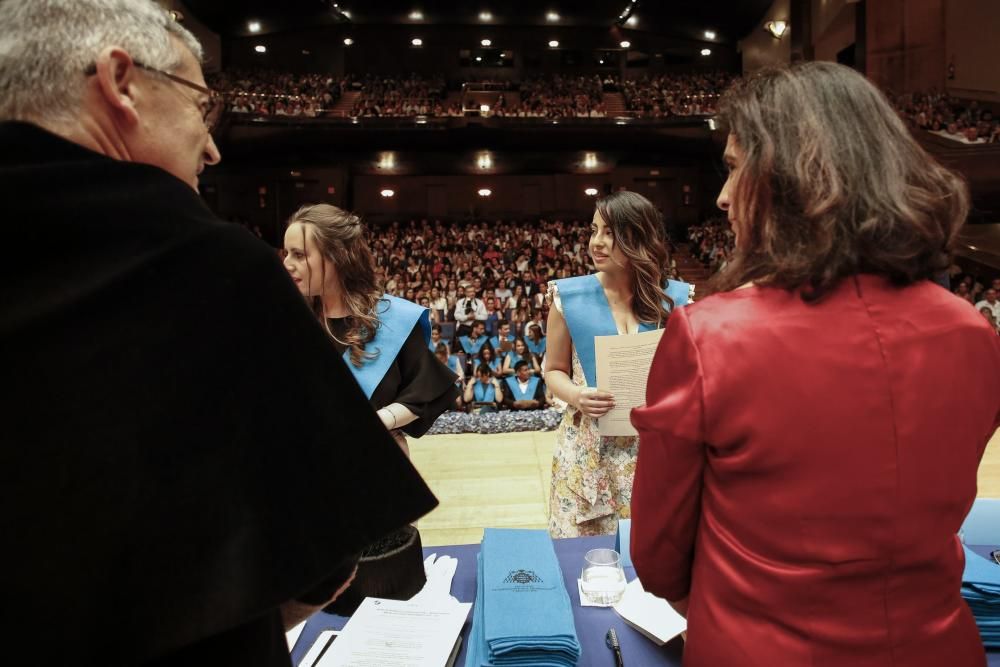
(612, 641)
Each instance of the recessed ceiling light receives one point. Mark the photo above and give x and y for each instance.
(625, 44)
(485, 192)
(632, 21)
(554, 43)
(706, 52)
(486, 42)
(416, 41)
(306, 52)
(590, 192)
(485, 16)
(601, 61)
(260, 48)
(479, 59)
(416, 15)
(253, 26)
(552, 17)
(387, 193)
(709, 34)
(348, 41)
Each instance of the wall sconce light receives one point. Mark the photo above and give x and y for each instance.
(590, 192)
(485, 192)
(387, 193)
(776, 28)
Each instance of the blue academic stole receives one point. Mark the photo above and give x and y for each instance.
(587, 313)
(495, 364)
(515, 389)
(432, 346)
(536, 348)
(495, 341)
(484, 393)
(396, 319)
(470, 347)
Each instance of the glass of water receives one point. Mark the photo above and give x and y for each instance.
(603, 580)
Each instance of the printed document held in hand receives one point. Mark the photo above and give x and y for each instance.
(650, 615)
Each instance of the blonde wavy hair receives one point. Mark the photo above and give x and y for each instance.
(638, 232)
(339, 235)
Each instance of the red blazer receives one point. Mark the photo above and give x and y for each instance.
(803, 470)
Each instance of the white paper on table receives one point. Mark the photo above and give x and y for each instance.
(394, 633)
(292, 635)
(650, 615)
(622, 368)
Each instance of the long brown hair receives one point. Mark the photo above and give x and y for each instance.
(339, 235)
(833, 184)
(637, 229)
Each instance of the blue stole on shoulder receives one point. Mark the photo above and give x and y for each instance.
(587, 313)
(515, 388)
(495, 341)
(470, 347)
(396, 319)
(432, 346)
(484, 393)
(536, 348)
(495, 364)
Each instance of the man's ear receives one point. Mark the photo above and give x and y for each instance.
(116, 75)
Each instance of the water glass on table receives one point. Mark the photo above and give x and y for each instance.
(603, 580)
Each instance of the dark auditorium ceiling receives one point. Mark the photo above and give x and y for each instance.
(687, 19)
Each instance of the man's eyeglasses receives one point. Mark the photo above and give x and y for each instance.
(211, 109)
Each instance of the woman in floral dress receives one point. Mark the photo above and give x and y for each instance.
(592, 475)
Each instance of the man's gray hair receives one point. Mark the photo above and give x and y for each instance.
(45, 46)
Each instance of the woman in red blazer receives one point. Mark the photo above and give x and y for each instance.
(812, 431)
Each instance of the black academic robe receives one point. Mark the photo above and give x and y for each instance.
(183, 449)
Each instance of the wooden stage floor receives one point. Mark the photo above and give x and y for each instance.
(502, 481)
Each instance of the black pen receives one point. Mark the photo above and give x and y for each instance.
(611, 639)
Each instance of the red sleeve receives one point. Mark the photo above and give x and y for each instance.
(666, 495)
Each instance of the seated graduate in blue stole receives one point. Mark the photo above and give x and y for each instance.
(523, 391)
(384, 339)
(535, 340)
(592, 475)
(504, 335)
(518, 354)
(482, 393)
(436, 338)
(474, 342)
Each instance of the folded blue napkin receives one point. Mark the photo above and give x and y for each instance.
(981, 590)
(523, 614)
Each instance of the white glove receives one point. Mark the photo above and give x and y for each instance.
(440, 573)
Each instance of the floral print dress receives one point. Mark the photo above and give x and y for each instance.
(591, 475)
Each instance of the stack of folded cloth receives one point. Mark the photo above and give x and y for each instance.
(981, 590)
(523, 614)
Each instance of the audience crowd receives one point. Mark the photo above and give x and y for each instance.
(969, 122)
(668, 95)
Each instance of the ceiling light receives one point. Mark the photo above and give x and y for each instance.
(552, 17)
(709, 34)
(486, 42)
(253, 26)
(485, 16)
(484, 161)
(416, 41)
(590, 160)
(485, 192)
(479, 59)
(345, 13)
(554, 43)
(776, 28)
(625, 44)
(421, 120)
(387, 193)
(706, 52)
(348, 41)
(632, 21)
(416, 15)
(590, 192)
(621, 121)
(386, 160)
(260, 48)
(485, 108)
(601, 61)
